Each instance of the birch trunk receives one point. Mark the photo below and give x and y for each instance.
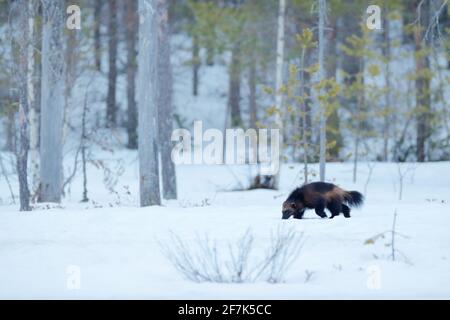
(71, 70)
(147, 104)
(279, 81)
(165, 107)
(32, 103)
(52, 100)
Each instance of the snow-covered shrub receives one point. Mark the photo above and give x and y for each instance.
(207, 260)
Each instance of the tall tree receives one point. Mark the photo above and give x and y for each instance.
(34, 92)
(234, 87)
(423, 79)
(333, 132)
(52, 100)
(131, 31)
(97, 36)
(165, 104)
(195, 64)
(147, 104)
(279, 79)
(23, 43)
(322, 113)
(111, 111)
(252, 81)
(386, 47)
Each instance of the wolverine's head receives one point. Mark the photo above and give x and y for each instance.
(291, 207)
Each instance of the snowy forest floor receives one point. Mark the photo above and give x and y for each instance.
(116, 245)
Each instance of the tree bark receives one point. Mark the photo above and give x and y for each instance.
(195, 65)
(303, 117)
(234, 92)
(52, 100)
(111, 108)
(360, 107)
(147, 104)
(23, 40)
(279, 81)
(71, 75)
(33, 88)
(131, 31)
(10, 132)
(333, 131)
(322, 112)
(252, 80)
(97, 36)
(165, 104)
(387, 95)
(423, 98)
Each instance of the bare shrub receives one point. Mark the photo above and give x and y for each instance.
(392, 244)
(206, 260)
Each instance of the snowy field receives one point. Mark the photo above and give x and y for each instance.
(114, 245)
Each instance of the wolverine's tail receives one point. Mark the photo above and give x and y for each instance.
(354, 198)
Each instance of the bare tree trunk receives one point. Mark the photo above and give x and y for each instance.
(252, 96)
(333, 130)
(35, 108)
(210, 55)
(322, 112)
(32, 101)
(83, 149)
(234, 93)
(387, 95)
(71, 70)
(165, 108)
(111, 108)
(97, 37)
(147, 104)
(195, 65)
(303, 113)
(52, 100)
(423, 98)
(360, 106)
(131, 31)
(279, 80)
(23, 39)
(10, 132)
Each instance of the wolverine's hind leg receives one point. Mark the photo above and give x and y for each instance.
(335, 208)
(320, 208)
(346, 211)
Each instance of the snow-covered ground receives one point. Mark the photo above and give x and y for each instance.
(114, 246)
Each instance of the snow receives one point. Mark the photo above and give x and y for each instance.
(115, 245)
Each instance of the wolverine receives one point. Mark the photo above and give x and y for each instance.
(318, 196)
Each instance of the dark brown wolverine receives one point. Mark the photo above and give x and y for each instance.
(318, 196)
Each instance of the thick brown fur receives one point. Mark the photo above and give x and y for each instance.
(318, 196)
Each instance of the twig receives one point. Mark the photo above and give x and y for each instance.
(393, 236)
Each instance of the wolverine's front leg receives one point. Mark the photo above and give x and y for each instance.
(299, 214)
(320, 208)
